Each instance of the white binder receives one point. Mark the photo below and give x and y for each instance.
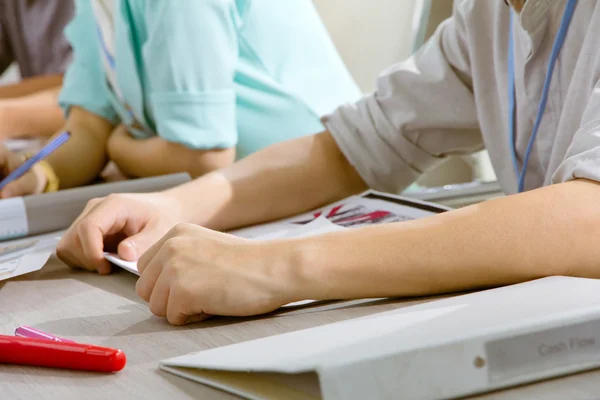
(439, 350)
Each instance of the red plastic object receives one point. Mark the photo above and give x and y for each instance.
(52, 354)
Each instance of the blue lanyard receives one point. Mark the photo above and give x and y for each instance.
(558, 42)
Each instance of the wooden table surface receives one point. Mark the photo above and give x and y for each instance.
(106, 311)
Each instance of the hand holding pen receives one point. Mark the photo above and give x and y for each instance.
(16, 181)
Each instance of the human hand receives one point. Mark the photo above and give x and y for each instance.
(126, 223)
(193, 272)
(32, 182)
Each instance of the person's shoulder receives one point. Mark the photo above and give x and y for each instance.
(481, 17)
(479, 9)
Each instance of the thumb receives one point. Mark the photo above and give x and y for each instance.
(25, 185)
(134, 246)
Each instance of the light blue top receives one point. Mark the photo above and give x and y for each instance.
(209, 73)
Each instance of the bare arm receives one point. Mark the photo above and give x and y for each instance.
(83, 156)
(281, 180)
(30, 86)
(36, 114)
(132, 155)
(549, 231)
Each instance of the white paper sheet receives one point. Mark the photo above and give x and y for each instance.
(352, 212)
(366, 209)
(131, 266)
(318, 226)
(13, 219)
(19, 257)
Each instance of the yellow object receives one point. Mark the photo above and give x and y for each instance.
(53, 182)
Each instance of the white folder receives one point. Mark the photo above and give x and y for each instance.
(438, 350)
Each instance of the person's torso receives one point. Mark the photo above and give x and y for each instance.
(33, 31)
(287, 66)
(576, 73)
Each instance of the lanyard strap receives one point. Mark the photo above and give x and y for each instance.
(558, 43)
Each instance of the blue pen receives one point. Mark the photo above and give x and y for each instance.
(43, 153)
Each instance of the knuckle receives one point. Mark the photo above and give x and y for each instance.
(93, 203)
(62, 251)
(113, 198)
(84, 225)
(172, 247)
(181, 229)
(62, 245)
(157, 309)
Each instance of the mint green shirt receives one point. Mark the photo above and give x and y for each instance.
(208, 73)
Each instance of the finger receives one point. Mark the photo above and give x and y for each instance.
(160, 296)
(148, 278)
(91, 204)
(92, 229)
(152, 252)
(197, 318)
(137, 243)
(25, 185)
(177, 309)
(69, 248)
(177, 231)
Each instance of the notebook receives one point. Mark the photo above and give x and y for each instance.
(443, 349)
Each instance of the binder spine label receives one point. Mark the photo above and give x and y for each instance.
(542, 351)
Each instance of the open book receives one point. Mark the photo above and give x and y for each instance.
(438, 350)
(368, 208)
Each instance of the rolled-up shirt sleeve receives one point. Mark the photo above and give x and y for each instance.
(191, 56)
(84, 84)
(422, 110)
(582, 160)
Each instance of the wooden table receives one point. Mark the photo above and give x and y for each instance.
(106, 311)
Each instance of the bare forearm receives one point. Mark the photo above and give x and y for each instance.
(550, 231)
(281, 180)
(30, 86)
(132, 157)
(33, 115)
(83, 156)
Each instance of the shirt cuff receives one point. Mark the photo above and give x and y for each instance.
(583, 157)
(82, 90)
(382, 165)
(197, 120)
